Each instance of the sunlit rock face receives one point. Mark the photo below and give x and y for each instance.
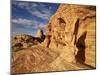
(69, 43)
(32, 59)
(72, 29)
(39, 33)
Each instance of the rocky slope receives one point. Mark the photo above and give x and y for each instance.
(24, 41)
(69, 43)
(32, 59)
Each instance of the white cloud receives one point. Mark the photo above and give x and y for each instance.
(37, 23)
(41, 12)
(34, 5)
(22, 21)
(21, 4)
(25, 4)
(37, 9)
(40, 15)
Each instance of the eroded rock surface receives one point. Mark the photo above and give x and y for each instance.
(72, 28)
(32, 59)
(69, 43)
(22, 41)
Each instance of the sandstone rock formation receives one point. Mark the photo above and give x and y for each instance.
(32, 59)
(39, 33)
(24, 41)
(72, 28)
(69, 43)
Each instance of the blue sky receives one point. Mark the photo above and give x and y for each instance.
(26, 16)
